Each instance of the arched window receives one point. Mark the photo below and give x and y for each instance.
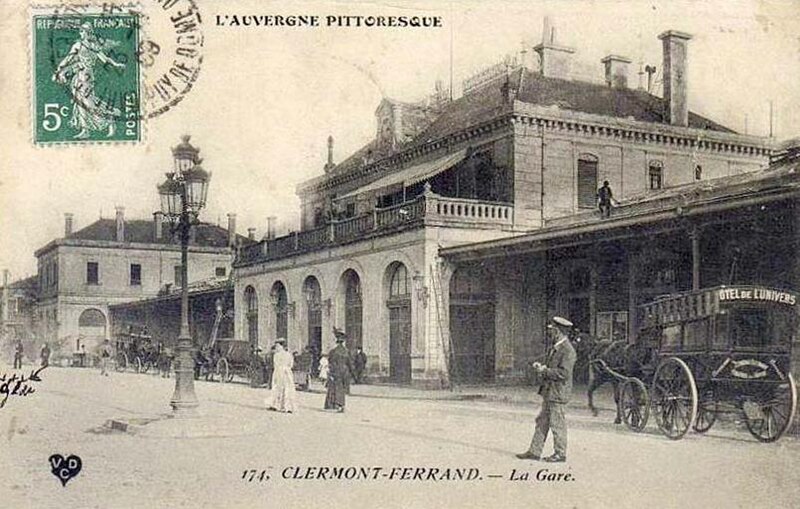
(398, 286)
(251, 314)
(655, 174)
(313, 295)
(92, 318)
(353, 309)
(280, 302)
(587, 181)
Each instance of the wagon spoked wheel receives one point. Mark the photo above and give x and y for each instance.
(122, 362)
(223, 370)
(774, 413)
(635, 404)
(706, 413)
(674, 394)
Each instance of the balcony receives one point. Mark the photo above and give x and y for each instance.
(426, 210)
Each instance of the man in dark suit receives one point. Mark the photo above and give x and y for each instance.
(340, 369)
(555, 389)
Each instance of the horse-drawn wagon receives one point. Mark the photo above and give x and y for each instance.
(706, 352)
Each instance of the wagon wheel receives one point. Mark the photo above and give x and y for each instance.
(774, 413)
(223, 370)
(707, 410)
(139, 366)
(635, 404)
(122, 362)
(674, 398)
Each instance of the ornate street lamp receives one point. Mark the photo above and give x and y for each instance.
(182, 195)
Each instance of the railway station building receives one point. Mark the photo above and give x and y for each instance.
(113, 261)
(442, 245)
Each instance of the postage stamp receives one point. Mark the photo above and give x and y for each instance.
(86, 77)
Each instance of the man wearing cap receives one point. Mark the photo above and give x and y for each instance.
(556, 389)
(340, 368)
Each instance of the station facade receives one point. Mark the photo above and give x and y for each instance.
(403, 244)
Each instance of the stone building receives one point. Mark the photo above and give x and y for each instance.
(18, 313)
(523, 150)
(116, 260)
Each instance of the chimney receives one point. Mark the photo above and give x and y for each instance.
(271, 220)
(120, 224)
(675, 85)
(158, 224)
(231, 230)
(329, 165)
(68, 223)
(554, 61)
(616, 71)
(251, 233)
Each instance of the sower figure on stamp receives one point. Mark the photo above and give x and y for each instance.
(555, 389)
(340, 368)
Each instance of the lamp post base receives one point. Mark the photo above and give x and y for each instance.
(184, 401)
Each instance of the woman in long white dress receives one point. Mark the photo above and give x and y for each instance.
(283, 393)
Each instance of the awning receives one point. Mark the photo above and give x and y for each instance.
(412, 174)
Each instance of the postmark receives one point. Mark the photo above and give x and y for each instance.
(100, 71)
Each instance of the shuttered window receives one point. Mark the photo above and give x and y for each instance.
(587, 181)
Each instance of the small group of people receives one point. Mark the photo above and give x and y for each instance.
(19, 354)
(335, 370)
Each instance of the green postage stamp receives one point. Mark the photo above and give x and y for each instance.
(86, 77)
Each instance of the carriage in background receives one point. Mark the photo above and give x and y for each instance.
(712, 351)
(135, 350)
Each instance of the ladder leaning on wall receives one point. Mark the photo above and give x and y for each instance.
(443, 326)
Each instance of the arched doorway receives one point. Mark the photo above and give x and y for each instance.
(280, 302)
(399, 304)
(251, 315)
(313, 294)
(352, 309)
(472, 326)
(92, 327)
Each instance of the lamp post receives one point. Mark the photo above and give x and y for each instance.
(182, 195)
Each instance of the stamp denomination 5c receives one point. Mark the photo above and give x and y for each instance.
(86, 77)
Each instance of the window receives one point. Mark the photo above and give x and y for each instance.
(136, 274)
(671, 337)
(696, 335)
(178, 278)
(656, 174)
(92, 273)
(398, 287)
(220, 272)
(587, 181)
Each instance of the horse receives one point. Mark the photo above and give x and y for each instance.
(609, 361)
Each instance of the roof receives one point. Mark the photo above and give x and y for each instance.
(168, 293)
(777, 182)
(142, 231)
(488, 102)
(28, 283)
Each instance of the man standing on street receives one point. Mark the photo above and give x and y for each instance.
(556, 389)
(105, 357)
(340, 368)
(45, 355)
(18, 350)
(359, 365)
(605, 199)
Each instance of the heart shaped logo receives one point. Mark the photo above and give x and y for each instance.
(65, 468)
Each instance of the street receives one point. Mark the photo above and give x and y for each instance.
(387, 450)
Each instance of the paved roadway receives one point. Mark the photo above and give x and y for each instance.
(608, 466)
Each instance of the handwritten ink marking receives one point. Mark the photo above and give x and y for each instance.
(18, 385)
(65, 468)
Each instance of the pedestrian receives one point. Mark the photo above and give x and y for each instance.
(323, 368)
(269, 366)
(105, 357)
(555, 389)
(45, 355)
(340, 368)
(283, 393)
(82, 355)
(605, 198)
(18, 351)
(359, 365)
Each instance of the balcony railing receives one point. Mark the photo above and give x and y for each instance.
(428, 209)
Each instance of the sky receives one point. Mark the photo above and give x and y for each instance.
(268, 97)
